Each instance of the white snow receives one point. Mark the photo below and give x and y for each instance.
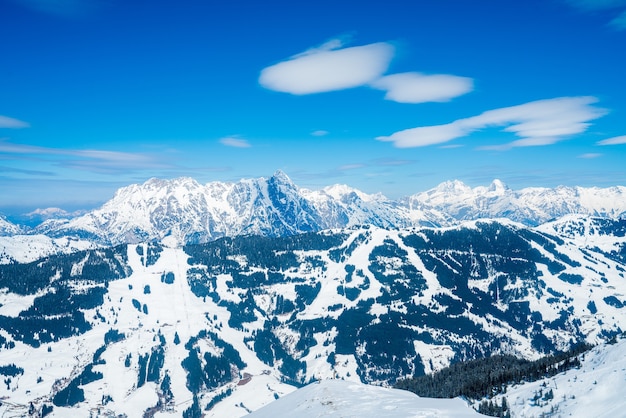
(27, 248)
(337, 398)
(597, 389)
(174, 309)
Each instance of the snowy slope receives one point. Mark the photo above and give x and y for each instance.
(336, 398)
(7, 228)
(228, 324)
(152, 315)
(596, 389)
(27, 248)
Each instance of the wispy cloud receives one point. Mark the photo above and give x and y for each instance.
(390, 162)
(329, 67)
(543, 122)
(371, 168)
(588, 5)
(64, 8)
(420, 88)
(617, 23)
(25, 171)
(7, 122)
(109, 162)
(100, 161)
(347, 167)
(319, 132)
(590, 155)
(618, 140)
(235, 142)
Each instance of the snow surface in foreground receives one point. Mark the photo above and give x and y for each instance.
(341, 399)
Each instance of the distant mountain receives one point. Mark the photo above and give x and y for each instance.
(36, 217)
(184, 211)
(225, 327)
(530, 206)
(8, 228)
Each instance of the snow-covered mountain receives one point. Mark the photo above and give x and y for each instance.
(38, 216)
(530, 206)
(189, 212)
(226, 327)
(8, 228)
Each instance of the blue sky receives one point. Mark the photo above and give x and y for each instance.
(386, 96)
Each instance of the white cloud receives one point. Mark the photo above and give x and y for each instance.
(425, 135)
(613, 141)
(319, 132)
(235, 142)
(420, 88)
(542, 122)
(7, 122)
(328, 68)
(590, 156)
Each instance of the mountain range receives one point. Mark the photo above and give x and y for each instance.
(186, 211)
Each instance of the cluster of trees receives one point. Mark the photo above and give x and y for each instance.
(493, 409)
(273, 254)
(11, 370)
(401, 282)
(98, 266)
(207, 370)
(150, 366)
(69, 284)
(270, 350)
(152, 252)
(486, 377)
(73, 393)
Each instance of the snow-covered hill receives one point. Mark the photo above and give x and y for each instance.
(225, 327)
(336, 398)
(186, 211)
(28, 248)
(596, 389)
(85, 345)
